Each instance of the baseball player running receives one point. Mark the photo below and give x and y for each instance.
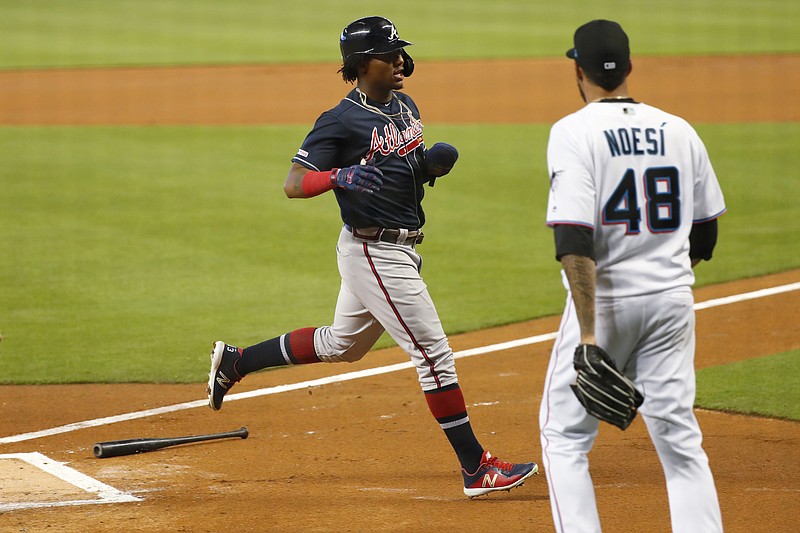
(369, 150)
(633, 204)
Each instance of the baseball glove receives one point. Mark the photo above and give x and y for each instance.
(602, 389)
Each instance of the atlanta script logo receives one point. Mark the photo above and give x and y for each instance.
(395, 140)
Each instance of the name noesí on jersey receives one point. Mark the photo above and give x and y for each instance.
(635, 141)
(403, 142)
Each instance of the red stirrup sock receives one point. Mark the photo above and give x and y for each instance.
(301, 346)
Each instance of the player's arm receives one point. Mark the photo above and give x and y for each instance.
(293, 186)
(302, 182)
(709, 204)
(575, 250)
(702, 240)
(311, 176)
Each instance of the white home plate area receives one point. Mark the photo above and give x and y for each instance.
(30, 480)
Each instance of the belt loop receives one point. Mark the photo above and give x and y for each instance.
(356, 234)
(403, 236)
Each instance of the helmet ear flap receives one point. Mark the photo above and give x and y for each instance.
(408, 63)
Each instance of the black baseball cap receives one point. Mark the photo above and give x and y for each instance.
(601, 48)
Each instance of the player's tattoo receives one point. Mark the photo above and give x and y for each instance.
(580, 272)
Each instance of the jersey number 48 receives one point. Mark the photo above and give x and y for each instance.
(662, 201)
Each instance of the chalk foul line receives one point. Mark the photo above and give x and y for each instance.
(349, 376)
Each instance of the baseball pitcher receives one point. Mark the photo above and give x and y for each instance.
(633, 204)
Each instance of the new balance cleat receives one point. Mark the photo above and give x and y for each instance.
(493, 475)
(223, 372)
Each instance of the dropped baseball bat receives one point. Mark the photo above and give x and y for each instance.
(115, 448)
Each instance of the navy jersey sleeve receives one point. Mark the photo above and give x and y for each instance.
(322, 146)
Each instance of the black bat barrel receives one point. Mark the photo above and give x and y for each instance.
(116, 448)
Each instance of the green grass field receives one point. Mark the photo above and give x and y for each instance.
(39, 33)
(128, 250)
(135, 244)
(764, 386)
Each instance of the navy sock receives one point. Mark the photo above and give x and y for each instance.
(466, 446)
(293, 348)
(448, 407)
(262, 355)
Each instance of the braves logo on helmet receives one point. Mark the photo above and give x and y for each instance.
(392, 32)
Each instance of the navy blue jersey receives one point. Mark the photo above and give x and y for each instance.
(388, 136)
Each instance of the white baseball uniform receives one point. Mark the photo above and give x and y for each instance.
(639, 178)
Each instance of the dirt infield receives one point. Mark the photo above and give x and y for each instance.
(365, 455)
(719, 89)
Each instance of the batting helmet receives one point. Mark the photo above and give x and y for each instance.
(373, 35)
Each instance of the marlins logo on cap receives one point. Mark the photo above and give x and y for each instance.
(601, 46)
